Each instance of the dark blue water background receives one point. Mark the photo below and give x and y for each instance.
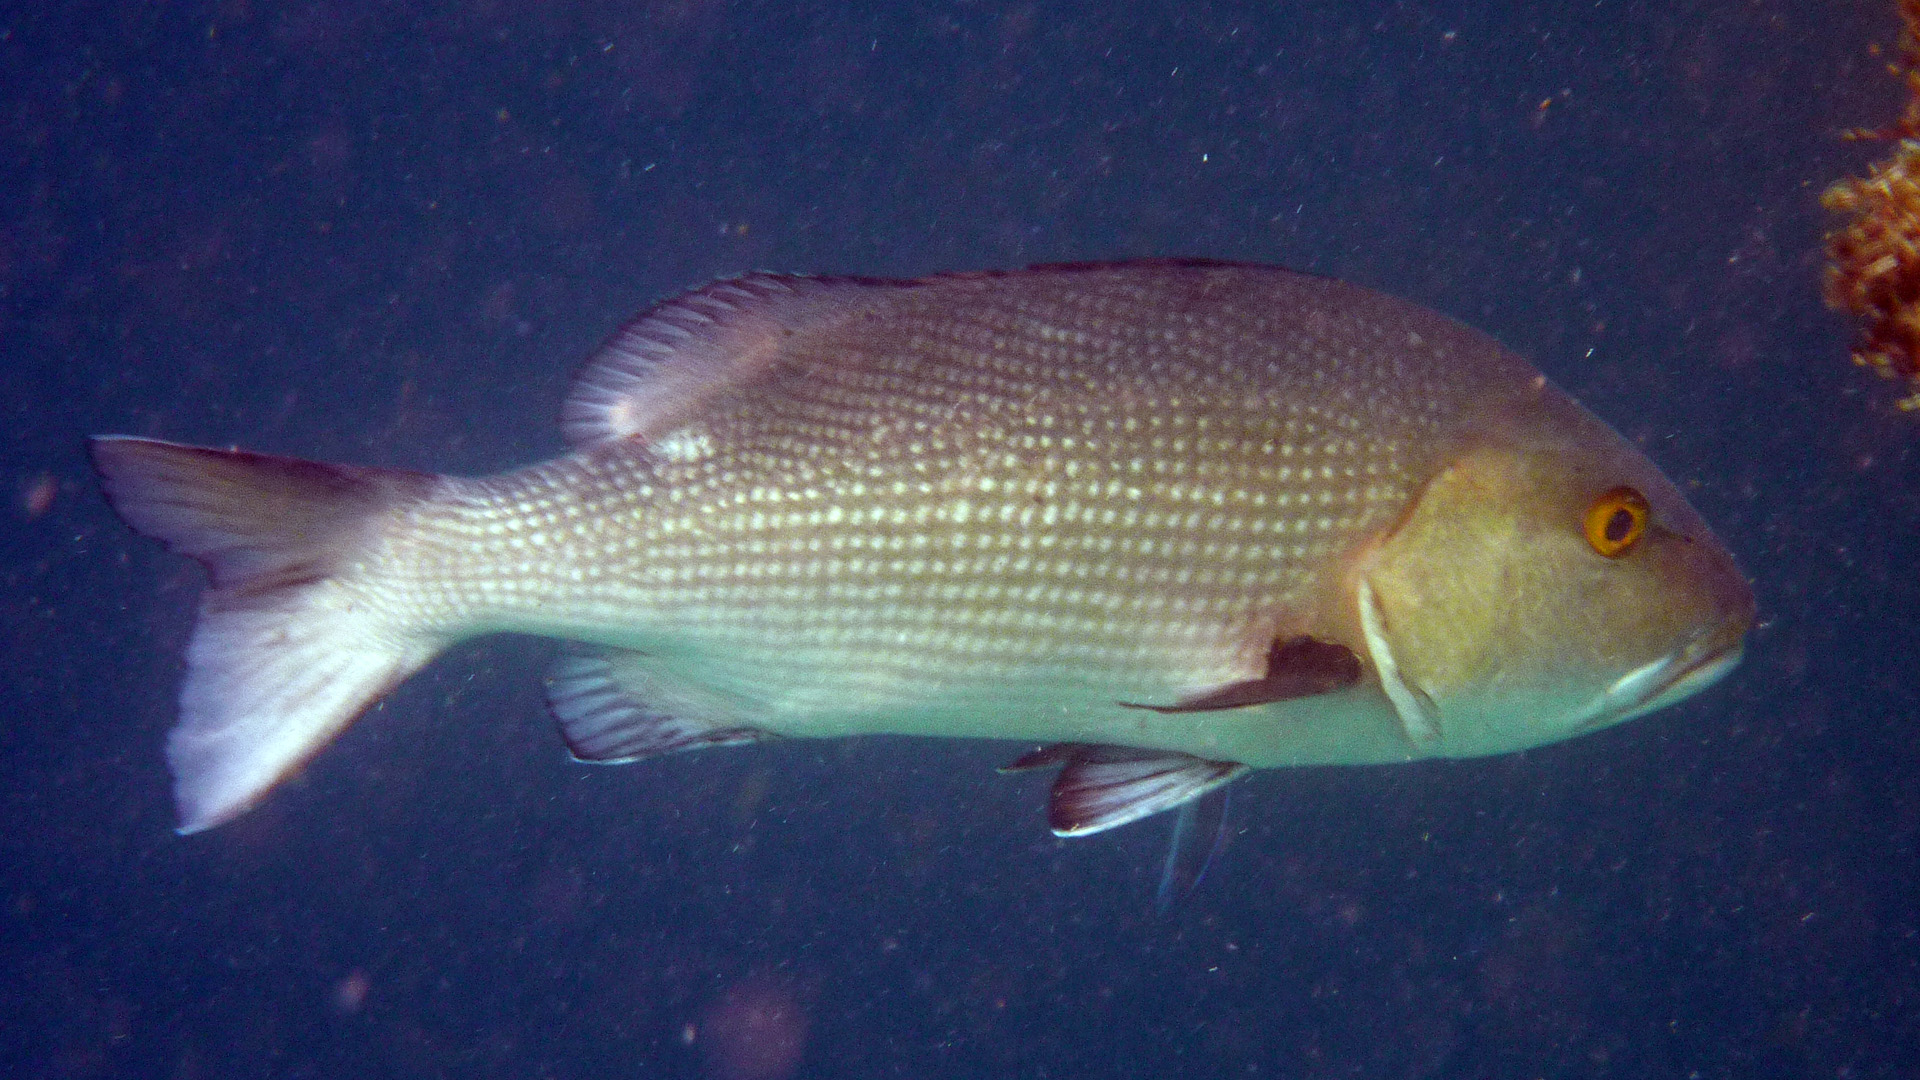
(385, 233)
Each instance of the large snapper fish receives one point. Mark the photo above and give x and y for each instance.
(1173, 520)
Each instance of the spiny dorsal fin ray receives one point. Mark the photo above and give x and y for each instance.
(614, 708)
(1296, 667)
(1104, 787)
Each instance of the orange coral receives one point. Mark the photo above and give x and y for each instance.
(1873, 268)
(1873, 262)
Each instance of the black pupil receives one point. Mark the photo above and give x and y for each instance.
(1619, 526)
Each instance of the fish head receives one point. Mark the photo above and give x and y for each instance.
(1548, 581)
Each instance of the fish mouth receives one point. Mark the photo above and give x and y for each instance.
(1703, 661)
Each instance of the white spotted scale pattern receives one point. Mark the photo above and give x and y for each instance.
(1120, 479)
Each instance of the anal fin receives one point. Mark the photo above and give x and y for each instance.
(1104, 787)
(614, 706)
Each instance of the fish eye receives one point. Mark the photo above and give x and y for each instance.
(1616, 521)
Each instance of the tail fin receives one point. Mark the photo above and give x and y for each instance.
(280, 660)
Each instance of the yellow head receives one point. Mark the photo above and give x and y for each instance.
(1548, 581)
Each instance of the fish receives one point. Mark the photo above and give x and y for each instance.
(1164, 521)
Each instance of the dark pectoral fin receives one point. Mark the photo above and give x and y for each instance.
(1102, 787)
(1296, 668)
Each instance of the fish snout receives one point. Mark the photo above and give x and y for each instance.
(1724, 610)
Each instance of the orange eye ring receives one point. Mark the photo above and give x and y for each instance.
(1617, 520)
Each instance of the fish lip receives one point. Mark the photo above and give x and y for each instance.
(1703, 670)
(1704, 660)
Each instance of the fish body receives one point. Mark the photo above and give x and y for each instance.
(1174, 520)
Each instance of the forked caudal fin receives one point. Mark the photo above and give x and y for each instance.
(281, 660)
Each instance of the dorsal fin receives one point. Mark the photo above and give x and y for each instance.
(660, 370)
